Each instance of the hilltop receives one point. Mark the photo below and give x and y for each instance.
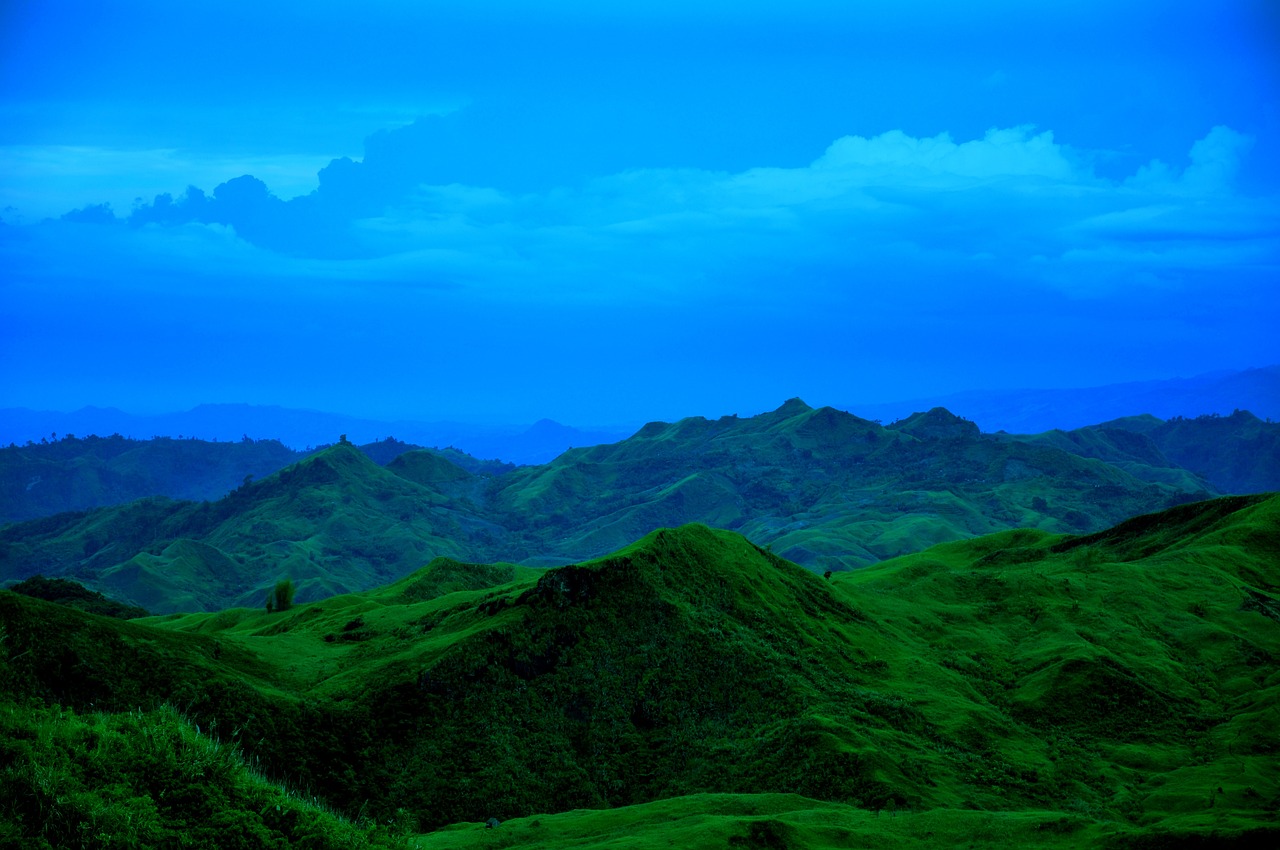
(1117, 688)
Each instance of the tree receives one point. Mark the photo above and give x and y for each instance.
(281, 599)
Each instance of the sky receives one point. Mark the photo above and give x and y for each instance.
(613, 213)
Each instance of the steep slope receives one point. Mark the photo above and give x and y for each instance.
(1130, 450)
(822, 487)
(1118, 688)
(334, 522)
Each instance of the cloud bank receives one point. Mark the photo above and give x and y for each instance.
(884, 255)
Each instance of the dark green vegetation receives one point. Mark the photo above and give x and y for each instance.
(820, 487)
(70, 593)
(148, 779)
(74, 474)
(1239, 453)
(77, 474)
(1022, 688)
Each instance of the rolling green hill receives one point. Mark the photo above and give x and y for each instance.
(691, 689)
(820, 487)
(76, 474)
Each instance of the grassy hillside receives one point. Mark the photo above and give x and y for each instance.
(820, 487)
(692, 689)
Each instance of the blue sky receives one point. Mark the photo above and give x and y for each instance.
(505, 211)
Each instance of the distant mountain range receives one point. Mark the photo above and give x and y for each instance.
(819, 486)
(1017, 411)
(301, 430)
(1031, 411)
(1023, 689)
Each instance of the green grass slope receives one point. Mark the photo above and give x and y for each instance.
(1118, 689)
(148, 779)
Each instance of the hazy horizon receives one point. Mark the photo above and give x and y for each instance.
(748, 411)
(482, 212)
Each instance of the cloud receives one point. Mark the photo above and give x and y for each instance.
(1215, 162)
(42, 181)
(879, 205)
(886, 249)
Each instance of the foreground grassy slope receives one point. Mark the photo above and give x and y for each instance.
(148, 779)
(1022, 686)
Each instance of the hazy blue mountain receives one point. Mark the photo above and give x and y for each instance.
(1239, 453)
(1030, 411)
(305, 429)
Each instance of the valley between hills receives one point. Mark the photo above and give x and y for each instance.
(801, 629)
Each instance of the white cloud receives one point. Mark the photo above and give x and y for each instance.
(1215, 160)
(1011, 152)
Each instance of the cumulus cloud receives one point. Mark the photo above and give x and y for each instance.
(1215, 161)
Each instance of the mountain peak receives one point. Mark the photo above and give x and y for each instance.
(937, 424)
(793, 407)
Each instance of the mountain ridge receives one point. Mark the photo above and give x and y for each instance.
(821, 486)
